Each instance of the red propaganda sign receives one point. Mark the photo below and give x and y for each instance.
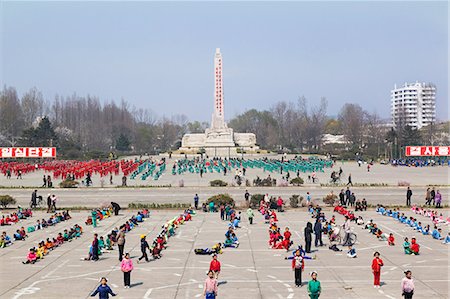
(428, 151)
(27, 152)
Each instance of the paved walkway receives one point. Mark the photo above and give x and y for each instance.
(251, 271)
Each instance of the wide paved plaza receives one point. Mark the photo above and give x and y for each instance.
(250, 271)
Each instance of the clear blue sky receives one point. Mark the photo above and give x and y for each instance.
(160, 55)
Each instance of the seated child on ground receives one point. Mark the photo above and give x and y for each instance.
(31, 257)
(391, 240)
(407, 246)
(351, 252)
(414, 247)
(447, 239)
(437, 234)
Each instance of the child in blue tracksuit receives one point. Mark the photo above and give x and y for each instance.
(103, 290)
(437, 234)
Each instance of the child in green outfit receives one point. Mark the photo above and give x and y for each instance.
(314, 286)
(407, 246)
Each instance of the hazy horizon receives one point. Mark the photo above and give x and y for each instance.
(160, 55)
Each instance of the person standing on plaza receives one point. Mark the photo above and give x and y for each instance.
(377, 263)
(126, 265)
(308, 199)
(352, 199)
(121, 241)
(438, 199)
(407, 285)
(428, 197)
(44, 179)
(49, 203)
(54, 198)
(222, 211)
(103, 290)
(297, 266)
(94, 218)
(318, 233)
(308, 237)
(210, 288)
(408, 196)
(433, 196)
(215, 266)
(279, 204)
(196, 198)
(144, 247)
(347, 230)
(350, 180)
(314, 287)
(247, 197)
(250, 215)
(33, 199)
(95, 248)
(342, 197)
(348, 193)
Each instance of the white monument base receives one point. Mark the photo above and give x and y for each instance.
(219, 142)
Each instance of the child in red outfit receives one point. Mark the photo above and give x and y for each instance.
(377, 263)
(391, 240)
(414, 246)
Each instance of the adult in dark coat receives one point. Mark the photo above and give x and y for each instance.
(408, 196)
(348, 193)
(115, 207)
(49, 204)
(308, 237)
(95, 248)
(33, 199)
(318, 232)
(342, 197)
(433, 196)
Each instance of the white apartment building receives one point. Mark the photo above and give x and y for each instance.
(413, 104)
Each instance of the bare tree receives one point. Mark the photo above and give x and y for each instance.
(352, 117)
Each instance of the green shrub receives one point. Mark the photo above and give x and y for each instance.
(297, 181)
(295, 200)
(221, 199)
(255, 199)
(6, 200)
(69, 184)
(218, 183)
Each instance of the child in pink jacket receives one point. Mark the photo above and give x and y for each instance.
(126, 266)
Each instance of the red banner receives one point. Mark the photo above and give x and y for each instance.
(27, 152)
(428, 151)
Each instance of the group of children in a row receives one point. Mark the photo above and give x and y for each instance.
(414, 223)
(436, 218)
(15, 217)
(44, 247)
(21, 234)
(167, 231)
(52, 220)
(98, 215)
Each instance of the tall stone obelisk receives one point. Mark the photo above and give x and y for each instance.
(218, 139)
(218, 120)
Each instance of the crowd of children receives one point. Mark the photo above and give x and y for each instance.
(98, 215)
(103, 244)
(15, 217)
(44, 247)
(51, 221)
(435, 217)
(417, 225)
